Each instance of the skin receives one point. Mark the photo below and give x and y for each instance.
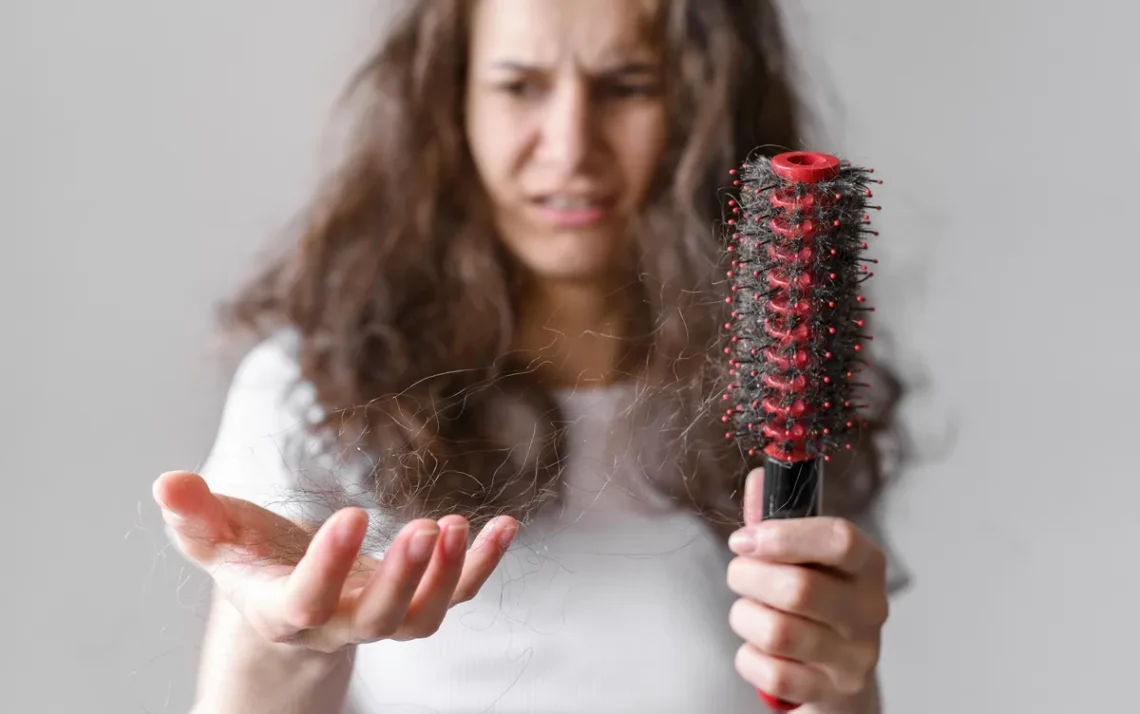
(563, 96)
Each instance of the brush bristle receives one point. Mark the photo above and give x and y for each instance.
(796, 324)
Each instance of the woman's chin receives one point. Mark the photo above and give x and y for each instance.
(570, 271)
(579, 258)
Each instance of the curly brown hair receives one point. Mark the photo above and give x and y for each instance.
(403, 301)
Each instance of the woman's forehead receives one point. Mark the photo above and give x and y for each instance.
(591, 33)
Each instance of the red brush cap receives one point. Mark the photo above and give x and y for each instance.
(776, 705)
(805, 166)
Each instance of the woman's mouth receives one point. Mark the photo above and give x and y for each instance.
(573, 211)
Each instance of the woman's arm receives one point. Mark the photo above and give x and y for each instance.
(241, 672)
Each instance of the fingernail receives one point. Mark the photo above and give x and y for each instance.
(346, 534)
(485, 534)
(419, 550)
(742, 543)
(506, 535)
(455, 539)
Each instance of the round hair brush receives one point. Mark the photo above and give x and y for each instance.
(797, 234)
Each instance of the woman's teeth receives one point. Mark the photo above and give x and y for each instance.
(570, 203)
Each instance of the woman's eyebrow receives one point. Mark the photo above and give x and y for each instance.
(634, 67)
(624, 69)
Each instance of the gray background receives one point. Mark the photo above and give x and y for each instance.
(149, 150)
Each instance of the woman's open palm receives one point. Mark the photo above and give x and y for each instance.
(315, 589)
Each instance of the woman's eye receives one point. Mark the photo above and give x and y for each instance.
(521, 88)
(622, 90)
(532, 89)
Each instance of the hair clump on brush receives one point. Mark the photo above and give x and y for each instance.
(796, 239)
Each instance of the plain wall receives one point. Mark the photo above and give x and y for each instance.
(149, 151)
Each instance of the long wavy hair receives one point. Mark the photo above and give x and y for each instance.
(403, 302)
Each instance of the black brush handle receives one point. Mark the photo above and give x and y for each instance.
(792, 489)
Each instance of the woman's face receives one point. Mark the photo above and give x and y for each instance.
(566, 121)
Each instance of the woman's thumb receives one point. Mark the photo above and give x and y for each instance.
(196, 516)
(754, 497)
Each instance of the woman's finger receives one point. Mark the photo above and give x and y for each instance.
(484, 557)
(784, 635)
(314, 588)
(814, 594)
(829, 542)
(382, 604)
(195, 516)
(780, 678)
(433, 597)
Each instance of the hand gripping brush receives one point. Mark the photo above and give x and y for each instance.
(798, 228)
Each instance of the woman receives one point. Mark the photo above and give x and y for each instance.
(497, 322)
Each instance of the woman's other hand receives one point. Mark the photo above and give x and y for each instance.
(813, 602)
(315, 589)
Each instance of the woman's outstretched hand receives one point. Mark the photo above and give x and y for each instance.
(315, 589)
(813, 601)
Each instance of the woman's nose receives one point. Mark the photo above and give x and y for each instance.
(568, 130)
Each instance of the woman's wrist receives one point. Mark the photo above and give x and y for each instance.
(865, 702)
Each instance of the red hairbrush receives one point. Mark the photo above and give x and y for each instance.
(798, 231)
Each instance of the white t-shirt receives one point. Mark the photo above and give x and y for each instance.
(613, 603)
